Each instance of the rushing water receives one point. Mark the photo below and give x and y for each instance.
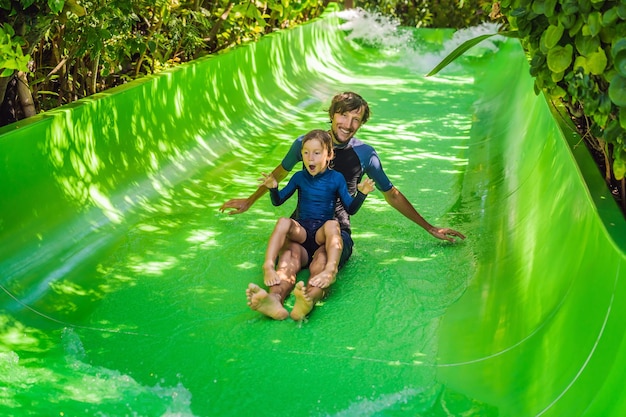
(157, 323)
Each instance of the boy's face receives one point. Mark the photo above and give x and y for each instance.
(315, 157)
(345, 125)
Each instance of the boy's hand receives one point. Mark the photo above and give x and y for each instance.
(366, 186)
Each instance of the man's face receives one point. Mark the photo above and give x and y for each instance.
(345, 125)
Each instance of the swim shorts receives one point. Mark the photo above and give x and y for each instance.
(309, 244)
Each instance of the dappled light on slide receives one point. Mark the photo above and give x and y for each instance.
(122, 285)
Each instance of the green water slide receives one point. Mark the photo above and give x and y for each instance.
(123, 286)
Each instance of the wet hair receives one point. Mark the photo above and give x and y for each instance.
(324, 138)
(347, 102)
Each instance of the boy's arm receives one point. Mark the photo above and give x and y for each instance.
(279, 197)
(357, 202)
(240, 205)
(352, 204)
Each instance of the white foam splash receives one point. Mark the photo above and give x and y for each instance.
(386, 33)
(466, 34)
(374, 29)
(68, 384)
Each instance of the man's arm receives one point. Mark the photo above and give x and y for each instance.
(239, 205)
(398, 201)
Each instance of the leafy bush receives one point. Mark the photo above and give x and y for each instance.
(78, 48)
(425, 13)
(577, 53)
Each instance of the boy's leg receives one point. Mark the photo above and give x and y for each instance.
(285, 229)
(328, 235)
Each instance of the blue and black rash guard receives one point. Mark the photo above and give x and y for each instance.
(317, 195)
(352, 160)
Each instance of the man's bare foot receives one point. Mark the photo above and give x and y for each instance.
(265, 303)
(323, 280)
(304, 303)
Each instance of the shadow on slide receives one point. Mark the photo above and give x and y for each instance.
(123, 286)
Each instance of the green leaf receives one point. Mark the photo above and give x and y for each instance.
(560, 58)
(618, 46)
(622, 117)
(56, 5)
(597, 61)
(575, 29)
(567, 20)
(594, 23)
(581, 62)
(549, 7)
(586, 44)
(617, 90)
(609, 17)
(584, 6)
(619, 165)
(619, 62)
(557, 76)
(75, 8)
(553, 35)
(461, 49)
(570, 7)
(6, 72)
(519, 12)
(558, 92)
(611, 132)
(8, 30)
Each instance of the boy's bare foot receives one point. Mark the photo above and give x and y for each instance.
(270, 276)
(265, 303)
(304, 303)
(323, 280)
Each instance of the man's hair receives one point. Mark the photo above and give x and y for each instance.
(347, 102)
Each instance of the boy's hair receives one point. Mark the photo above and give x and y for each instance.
(347, 102)
(323, 136)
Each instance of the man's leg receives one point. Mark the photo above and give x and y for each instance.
(270, 303)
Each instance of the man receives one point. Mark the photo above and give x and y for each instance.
(348, 112)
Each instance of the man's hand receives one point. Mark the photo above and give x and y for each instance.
(239, 205)
(268, 180)
(446, 234)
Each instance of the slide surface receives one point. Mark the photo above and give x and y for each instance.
(123, 285)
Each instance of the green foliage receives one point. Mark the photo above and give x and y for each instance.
(577, 51)
(80, 47)
(424, 13)
(12, 57)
